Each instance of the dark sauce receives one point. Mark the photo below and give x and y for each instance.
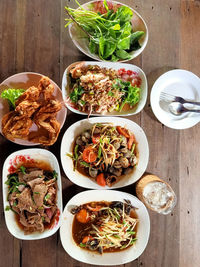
(80, 230)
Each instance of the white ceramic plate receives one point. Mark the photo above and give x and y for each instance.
(77, 128)
(10, 162)
(106, 259)
(178, 83)
(80, 39)
(25, 80)
(115, 66)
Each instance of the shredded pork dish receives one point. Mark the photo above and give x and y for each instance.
(34, 105)
(32, 195)
(105, 226)
(105, 153)
(103, 90)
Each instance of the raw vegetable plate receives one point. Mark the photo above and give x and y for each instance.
(80, 178)
(108, 258)
(18, 158)
(112, 31)
(128, 71)
(25, 80)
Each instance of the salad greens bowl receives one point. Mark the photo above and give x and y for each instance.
(107, 30)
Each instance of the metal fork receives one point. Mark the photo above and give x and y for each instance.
(171, 98)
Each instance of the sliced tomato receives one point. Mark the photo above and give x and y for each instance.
(95, 138)
(131, 140)
(87, 238)
(83, 216)
(123, 131)
(101, 179)
(89, 155)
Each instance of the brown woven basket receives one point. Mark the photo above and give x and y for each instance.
(143, 182)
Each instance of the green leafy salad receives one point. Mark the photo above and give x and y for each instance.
(12, 95)
(110, 31)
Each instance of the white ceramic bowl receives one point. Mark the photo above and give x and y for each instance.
(115, 66)
(29, 154)
(77, 128)
(80, 39)
(106, 259)
(24, 80)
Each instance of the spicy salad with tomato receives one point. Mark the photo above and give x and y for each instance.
(105, 153)
(94, 89)
(105, 226)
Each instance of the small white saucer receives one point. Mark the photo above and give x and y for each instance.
(178, 83)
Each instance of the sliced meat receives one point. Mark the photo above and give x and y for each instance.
(35, 181)
(31, 175)
(25, 201)
(51, 182)
(13, 202)
(52, 195)
(50, 212)
(23, 219)
(31, 222)
(39, 192)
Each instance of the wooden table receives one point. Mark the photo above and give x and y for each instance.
(33, 38)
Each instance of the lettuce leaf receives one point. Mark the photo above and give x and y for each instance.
(12, 95)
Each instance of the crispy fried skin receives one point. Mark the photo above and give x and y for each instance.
(27, 108)
(31, 94)
(36, 105)
(15, 126)
(46, 118)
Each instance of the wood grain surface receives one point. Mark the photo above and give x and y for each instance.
(33, 38)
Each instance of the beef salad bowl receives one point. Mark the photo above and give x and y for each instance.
(32, 194)
(104, 153)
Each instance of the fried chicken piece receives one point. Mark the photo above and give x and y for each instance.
(53, 106)
(26, 108)
(46, 87)
(45, 118)
(48, 92)
(48, 122)
(32, 94)
(43, 83)
(15, 126)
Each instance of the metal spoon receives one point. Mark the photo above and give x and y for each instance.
(176, 108)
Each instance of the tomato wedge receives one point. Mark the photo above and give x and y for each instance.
(86, 239)
(95, 138)
(123, 131)
(83, 216)
(101, 179)
(89, 155)
(131, 140)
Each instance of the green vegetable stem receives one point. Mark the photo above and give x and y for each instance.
(110, 35)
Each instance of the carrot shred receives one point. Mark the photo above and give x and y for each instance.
(123, 131)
